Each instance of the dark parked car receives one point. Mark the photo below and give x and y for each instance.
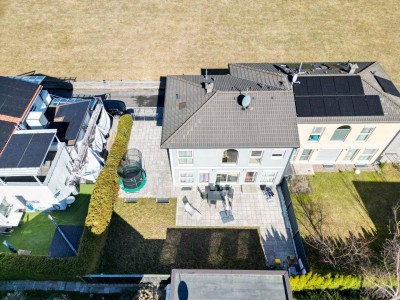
(115, 107)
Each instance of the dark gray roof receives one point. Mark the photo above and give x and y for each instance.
(221, 122)
(68, 120)
(16, 96)
(26, 149)
(230, 285)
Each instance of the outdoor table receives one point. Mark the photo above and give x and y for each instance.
(214, 196)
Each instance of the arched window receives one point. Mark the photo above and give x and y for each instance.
(230, 156)
(341, 133)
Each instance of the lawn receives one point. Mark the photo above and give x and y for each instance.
(146, 39)
(36, 230)
(346, 203)
(146, 241)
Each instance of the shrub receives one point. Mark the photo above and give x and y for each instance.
(312, 281)
(94, 235)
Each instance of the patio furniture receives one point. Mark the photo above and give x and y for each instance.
(162, 200)
(211, 187)
(191, 210)
(219, 187)
(213, 197)
(203, 194)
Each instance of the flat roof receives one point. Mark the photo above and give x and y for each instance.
(229, 284)
(26, 149)
(16, 96)
(68, 120)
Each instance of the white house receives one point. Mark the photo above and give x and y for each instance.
(46, 146)
(228, 130)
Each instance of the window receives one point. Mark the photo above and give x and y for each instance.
(351, 153)
(267, 176)
(227, 178)
(230, 156)
(185, 157)
(186, 177)
(367, 154)
(365, 133)
(341, 133)
(256, 157)
(316, 134)
(278, 154)
(204, 177)
(306, 154)
(250, 177)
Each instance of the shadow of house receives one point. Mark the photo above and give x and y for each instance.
(128, 252)
(378, 199)
(276, 245)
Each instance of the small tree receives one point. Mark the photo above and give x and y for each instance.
(384, 279)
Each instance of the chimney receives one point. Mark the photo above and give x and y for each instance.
(209, 86)
(352, 68)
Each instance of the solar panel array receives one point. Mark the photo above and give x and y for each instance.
(329, 96)
(15, 96)
(387, 86)
(57, 101)
(6, 130)
(26, 150)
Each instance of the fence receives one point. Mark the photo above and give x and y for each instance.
(298, 242)
(127, 278)
(147, 113)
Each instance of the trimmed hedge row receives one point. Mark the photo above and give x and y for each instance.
(312, 281)
(106, 189)
(13, 267)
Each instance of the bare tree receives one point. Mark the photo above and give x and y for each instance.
(384, 279)
(351, 252)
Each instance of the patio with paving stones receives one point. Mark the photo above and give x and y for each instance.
(249, 207)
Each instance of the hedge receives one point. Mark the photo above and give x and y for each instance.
(313, 281)
(13, 267)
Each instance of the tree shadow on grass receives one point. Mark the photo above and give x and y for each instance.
(128, 252)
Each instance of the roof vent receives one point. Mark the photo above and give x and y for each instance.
(209, 86)
(351, 68)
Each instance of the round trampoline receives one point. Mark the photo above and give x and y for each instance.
(132, 176)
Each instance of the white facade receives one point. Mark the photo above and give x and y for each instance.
(358, 144)
(252, 166)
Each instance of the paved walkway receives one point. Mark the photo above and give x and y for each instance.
(68, 286)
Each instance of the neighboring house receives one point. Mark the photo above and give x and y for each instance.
(346, 115)
(212, 138)
(228, 284)
(45, 146)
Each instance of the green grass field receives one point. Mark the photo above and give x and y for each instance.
(146, 39)
(36, 230)
(143, 239)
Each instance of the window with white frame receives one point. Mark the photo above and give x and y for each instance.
(230, 156)
(267, 176)
(250, 177)
(204, 177)
(367, 154)
(256, 157)
(306, 154)
(365, 133)
(223, 178)
(185, 157)
(278, 154)
(341, 133)
(316, 134)
(351, 154)
(186, 177)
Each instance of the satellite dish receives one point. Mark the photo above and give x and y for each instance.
(296, 74)
(246, 101)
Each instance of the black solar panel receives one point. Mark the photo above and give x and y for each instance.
(26, 150)
(374, 105)
(355, 85)
(317, 106)
(328, 85)
(341, 85)
(360, 106)
(303, 108)
(313, 85)
(388, 86)
(331, 106)
(6, 129)
(346, 105)
(15, 96)
(300, 89)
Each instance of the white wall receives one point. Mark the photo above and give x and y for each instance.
(210, 161)
(379, 139)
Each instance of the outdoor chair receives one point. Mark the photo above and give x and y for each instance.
(203, 194)
(191, 210)
(211, 187)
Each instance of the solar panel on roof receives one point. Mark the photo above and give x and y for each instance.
(303, 108)
(341, 85)
(374, 105)
(33, 79)
(300, 89)
(317, 106)
(346, 105)
(388, 86)
(355, 85)
(327, 85)
(313, 85)
(360, 106)
(331, 106)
